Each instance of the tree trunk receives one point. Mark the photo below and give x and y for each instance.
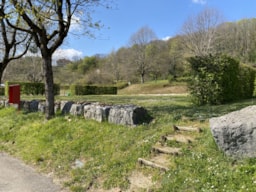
(142, 80)
(1, 75)
(49, 92)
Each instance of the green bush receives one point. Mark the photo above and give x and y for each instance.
(92, 90)
(218, 79)
(246, 81)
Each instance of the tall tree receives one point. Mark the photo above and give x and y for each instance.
(49, 23)
(139, 42)
(239, 39)
(113, 66)
(13, 43)
(175, 56)
(200, 31)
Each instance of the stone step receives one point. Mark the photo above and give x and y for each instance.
(189, 129)
(152, 164)
(167, 150)
(178, 138)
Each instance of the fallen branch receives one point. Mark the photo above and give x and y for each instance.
(152, 164)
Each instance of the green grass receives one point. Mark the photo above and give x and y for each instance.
(110, 152)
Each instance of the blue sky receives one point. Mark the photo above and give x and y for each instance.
(164, 17)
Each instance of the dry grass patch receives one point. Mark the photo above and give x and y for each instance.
(154, 88)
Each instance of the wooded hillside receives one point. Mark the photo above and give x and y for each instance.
(153, 59)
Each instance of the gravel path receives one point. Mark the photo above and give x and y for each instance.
(15, 176)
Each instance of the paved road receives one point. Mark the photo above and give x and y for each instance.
(15, 176)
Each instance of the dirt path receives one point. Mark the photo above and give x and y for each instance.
(15, 176)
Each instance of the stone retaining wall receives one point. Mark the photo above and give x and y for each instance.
(130, 115)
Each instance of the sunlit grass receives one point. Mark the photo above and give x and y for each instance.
(110, 152)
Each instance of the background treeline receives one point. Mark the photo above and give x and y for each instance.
(150, 60)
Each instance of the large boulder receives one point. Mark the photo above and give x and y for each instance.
(65, 107)
(235, 133)
(76, 109)
(96, 112)
(130, 115)
(29, 106)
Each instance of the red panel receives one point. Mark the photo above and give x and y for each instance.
(14, 94)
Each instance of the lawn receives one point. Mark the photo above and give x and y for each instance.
(109, 153)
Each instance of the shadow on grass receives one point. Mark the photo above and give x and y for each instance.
(193, 112)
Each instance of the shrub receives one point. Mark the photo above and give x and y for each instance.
(219, 79)
(246, 81)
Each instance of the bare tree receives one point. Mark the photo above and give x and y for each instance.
(28, 68)
(112, 66)
(13, 42)
(139, 42)
(239, 39)
(200, 31)
(49, 23)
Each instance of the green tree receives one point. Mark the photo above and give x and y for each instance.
(87, 64)
(49, 23)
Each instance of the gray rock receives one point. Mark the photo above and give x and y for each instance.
(24, 105)
(33, 106)
(57, 106)
(96, 112)
(42, 106)
(76, 109)
(30, 106)
(4, 103)
(65, 106)
(78, 164)
(235, 133)
(130, 115)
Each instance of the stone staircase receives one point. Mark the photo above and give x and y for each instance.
(162, 154)
(166, 148)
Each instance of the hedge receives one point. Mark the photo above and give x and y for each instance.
(2, 91)
(92, 90)
(28, 88)
(218, 79)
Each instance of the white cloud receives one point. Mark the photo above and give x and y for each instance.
(75, 23)
(70, 54)
(166, 38)
(199, 1)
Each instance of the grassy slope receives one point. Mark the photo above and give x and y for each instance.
(110, 152)
(159, 87)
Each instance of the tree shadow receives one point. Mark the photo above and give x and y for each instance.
(194, 112)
